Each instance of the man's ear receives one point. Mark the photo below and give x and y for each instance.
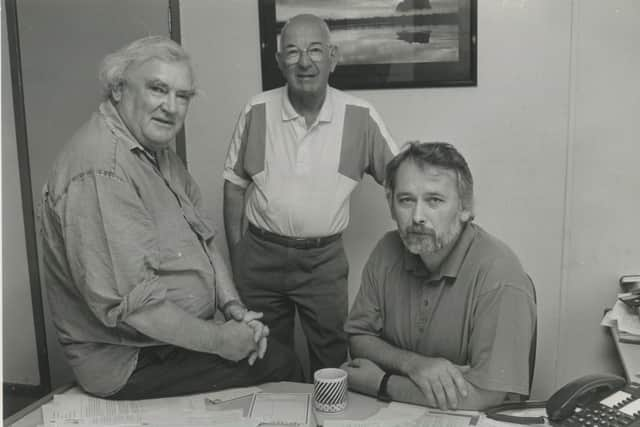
(333, 57)
(116, 92)
(389, 194)
(281, 66)
(465, 215)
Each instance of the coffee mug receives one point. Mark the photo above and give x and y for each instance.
(330, 390)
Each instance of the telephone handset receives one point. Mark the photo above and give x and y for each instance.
(592, 400)
(599, 399)
(584, 391)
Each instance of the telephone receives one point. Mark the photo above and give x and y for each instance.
(592, 400)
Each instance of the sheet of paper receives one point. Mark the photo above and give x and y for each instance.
(473, 415)
(397, 410)
(193, 417)
(608, 320)
(240, 423)
(91, 410)
(95, 406)
(281, 408)
(231, 394)
(487, 422)
(628, 319)
(181, 418)
(425, 420)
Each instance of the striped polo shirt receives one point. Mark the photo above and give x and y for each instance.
(303, 177)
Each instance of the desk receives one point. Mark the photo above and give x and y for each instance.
(360, 406)
(629, 356)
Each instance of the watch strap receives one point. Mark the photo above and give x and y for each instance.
(383, 394)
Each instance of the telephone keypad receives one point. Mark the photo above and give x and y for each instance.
(598, 416)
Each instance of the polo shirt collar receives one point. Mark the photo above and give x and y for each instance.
(451, 264)
(290, 113)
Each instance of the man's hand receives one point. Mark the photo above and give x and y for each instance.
(239, 312)
(238, 340)
(235, 310)
(441, 381)
(364, 376)
(260, 331)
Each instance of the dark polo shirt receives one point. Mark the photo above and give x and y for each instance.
(478, 309)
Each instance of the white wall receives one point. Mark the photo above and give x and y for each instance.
(602, 238)
(556, 93)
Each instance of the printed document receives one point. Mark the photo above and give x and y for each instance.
(281, 408)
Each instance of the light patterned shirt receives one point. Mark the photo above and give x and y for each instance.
(303, 177)
(121, 230)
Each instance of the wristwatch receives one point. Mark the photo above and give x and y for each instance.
(383, 394)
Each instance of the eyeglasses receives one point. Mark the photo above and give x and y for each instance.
(315, 52)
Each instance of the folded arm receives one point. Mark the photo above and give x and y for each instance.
(166, 322)
(430, 381)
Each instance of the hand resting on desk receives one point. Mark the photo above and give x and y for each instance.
(365, 377)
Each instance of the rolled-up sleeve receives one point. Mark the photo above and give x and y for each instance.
(111, 246)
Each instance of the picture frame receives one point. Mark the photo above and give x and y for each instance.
(383, 43)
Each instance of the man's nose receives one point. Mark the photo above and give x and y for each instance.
(170, 103)
(304, 60)
(420, 213)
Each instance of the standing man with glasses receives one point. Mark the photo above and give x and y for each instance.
(296, 155)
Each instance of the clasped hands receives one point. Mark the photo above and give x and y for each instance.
(442, 383)
(249, 334)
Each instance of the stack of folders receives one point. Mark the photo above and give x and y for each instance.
(623, 318)
(632, 299)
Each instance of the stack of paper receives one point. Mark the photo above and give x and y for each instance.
(79, 409)
(625, 320)
(405, 415)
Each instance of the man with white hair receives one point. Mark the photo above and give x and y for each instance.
(131, 270)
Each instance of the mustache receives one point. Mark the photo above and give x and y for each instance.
(420, 229)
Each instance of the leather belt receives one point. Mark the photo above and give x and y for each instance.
(293, 242)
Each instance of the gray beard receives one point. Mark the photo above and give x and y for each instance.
(429, 245)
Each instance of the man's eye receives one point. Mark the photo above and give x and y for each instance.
(434, 201)
(158, 89)
(405, 200)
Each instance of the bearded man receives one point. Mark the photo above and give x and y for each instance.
(445, 315)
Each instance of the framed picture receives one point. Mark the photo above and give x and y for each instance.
(383, 43)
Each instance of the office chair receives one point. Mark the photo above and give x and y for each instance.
(534, 343)
(496, 411)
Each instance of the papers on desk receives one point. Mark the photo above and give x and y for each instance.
(232, 394)
(281, 408)
(625, 320)
(82, 409)
(406, 415)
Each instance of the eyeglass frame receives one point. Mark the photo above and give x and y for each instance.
(290, 49)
